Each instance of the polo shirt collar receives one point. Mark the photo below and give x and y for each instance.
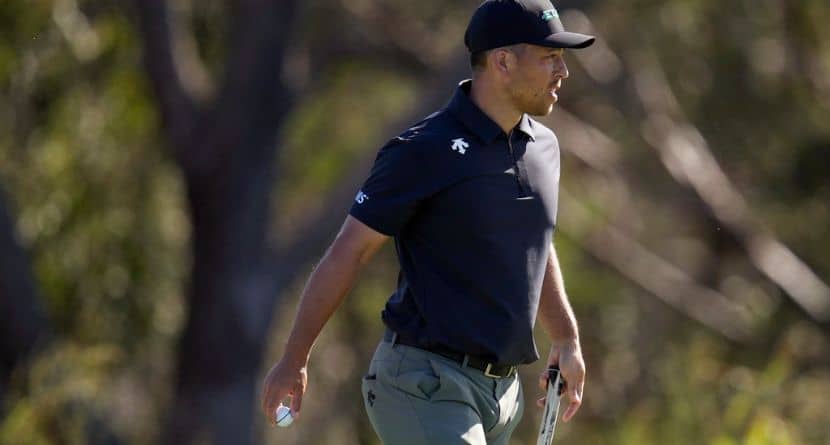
(526, 126)
(463, 108)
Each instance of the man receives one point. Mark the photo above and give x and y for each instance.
(470, 196)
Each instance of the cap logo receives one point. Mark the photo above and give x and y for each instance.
(549, 14)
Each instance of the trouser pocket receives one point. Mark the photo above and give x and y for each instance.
(420, 383)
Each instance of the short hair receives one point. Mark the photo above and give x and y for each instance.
(478, 60)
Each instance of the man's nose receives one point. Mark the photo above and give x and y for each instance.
(561, 69)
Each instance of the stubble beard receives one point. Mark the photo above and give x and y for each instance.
(534, 103)
(539, 106)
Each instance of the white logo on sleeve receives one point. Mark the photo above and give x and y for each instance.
(460, 145)
(361, 197)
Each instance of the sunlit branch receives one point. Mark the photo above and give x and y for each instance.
(662, 279)
(686, 155)
(176, 105)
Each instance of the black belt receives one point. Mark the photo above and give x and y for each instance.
(489, 369)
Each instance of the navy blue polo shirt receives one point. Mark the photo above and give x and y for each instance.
(472, 211)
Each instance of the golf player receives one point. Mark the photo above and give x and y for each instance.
(469, 195)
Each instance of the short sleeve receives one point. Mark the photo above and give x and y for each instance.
(398, 182)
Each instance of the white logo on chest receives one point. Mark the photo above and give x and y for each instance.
(460, 145)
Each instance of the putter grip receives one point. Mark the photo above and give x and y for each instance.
(551, 411)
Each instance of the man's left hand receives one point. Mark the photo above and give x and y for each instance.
(567, 356)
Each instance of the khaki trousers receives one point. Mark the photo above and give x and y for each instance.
(415, 397)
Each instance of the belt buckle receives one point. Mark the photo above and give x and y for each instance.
(488, 374)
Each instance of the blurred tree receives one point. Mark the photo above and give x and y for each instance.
(226, 150)
(23, 323)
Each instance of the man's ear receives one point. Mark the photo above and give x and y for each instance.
(503, 60)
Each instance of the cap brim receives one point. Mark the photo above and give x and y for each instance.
(567, 39)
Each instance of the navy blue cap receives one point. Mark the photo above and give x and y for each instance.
(498, 23)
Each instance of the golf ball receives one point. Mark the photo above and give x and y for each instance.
(283, 416)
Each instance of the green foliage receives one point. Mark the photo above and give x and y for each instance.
(101, 210)
(68, 397)
(332, 126)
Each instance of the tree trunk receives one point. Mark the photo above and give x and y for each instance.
(227, 154)
(229, 307)
(23, 323)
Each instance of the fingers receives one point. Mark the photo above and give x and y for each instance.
(271, 397)
(568, 357)
(279, 384)
(296, 401)
(574, 395)
(297, 393)
(543, 380)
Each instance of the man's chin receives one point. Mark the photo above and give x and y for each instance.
(542, 111)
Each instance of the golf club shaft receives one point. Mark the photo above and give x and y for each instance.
(551, 412)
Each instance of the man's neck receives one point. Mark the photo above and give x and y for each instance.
(495, 104)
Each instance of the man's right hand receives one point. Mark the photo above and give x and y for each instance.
(285, 379)
(331, 280)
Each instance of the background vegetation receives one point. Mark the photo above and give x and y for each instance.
(170, 171)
